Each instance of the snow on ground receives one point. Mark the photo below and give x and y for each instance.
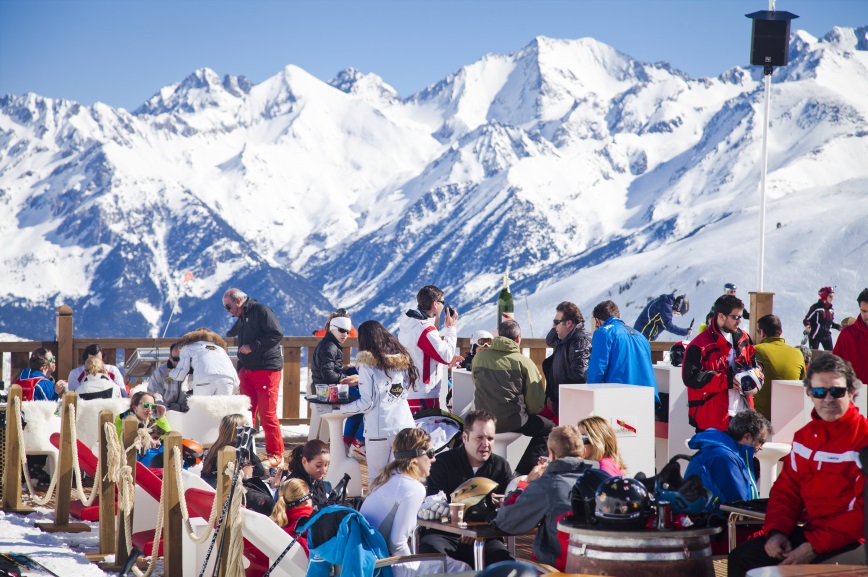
(62, 553)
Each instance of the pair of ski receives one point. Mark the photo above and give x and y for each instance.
(27, 562)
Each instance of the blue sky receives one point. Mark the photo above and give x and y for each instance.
(123, 51)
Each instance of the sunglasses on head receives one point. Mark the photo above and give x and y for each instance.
(342, 331)
(413, 453)
(836, 392)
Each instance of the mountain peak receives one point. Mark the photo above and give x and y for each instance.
(369, 87)
(200, 90)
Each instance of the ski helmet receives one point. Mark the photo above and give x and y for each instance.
(192, 452)
(622, 502)
(826, 291)
(681, 305)
(475, 493)
(479, 335)
(751, 380)
(676, 354)
(584, 493)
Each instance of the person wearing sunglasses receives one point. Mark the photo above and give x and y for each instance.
(170, 392)
(327, 368)
(852, 343)
(396, 496)
(205, 360)
(711, 363)
(78, 374)
(571, 350)
(260, 364)
(151, 416)
(36, 380)
(816, 507)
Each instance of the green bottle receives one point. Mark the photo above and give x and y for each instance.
(505, 307)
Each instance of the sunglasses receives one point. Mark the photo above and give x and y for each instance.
(735, 317)
(836, 392)
(442, 301)
(50, 360)
(175, 359)
(342, 331)
(585, 439)
(148, 406)
(413, 453)
(228, 307)
(556, 322)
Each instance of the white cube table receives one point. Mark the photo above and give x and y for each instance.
(669, 381)
(630, 410)
(462, 392)
(791, 408)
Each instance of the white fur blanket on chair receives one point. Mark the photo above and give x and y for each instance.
(202, 421)
(87, 417)
(41, 422)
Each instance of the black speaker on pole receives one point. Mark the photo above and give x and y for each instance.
(770, 40)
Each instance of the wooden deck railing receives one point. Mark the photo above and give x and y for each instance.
(69, 350)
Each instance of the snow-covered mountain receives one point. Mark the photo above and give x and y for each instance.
(591, 174)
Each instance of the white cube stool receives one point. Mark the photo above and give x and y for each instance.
(770, 465)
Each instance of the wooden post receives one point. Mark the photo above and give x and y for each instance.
(291, 382)
(65, 360)
(12, 473)
(122, 548)
(538, 356)
(64, 474)
(761, 304)
(224, 457)
(172, 560)
(107, 506)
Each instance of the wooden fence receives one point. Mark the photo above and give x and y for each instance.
(69, 350)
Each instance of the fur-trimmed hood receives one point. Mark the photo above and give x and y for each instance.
(202, 335)
(396, 362)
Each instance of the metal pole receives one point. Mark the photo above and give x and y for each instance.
(767, 72)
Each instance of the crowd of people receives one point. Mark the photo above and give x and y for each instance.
(395, 376)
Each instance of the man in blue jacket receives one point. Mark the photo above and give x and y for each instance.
(37, 377)
(657, 317)
(724, 462)
(619, 354)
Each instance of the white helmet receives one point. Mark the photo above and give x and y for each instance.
(480, 334)
(751, 381)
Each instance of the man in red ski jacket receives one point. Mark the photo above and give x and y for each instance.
(711, 363)
(821, 484)
(852, 343)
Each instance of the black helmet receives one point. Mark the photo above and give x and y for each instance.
(475, 493)
(584, 494)
(622, 502)
(681, 305)
(510, 569)
(676, 354)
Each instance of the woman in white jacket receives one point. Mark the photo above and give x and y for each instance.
(203, 353)
(97, 384)
(386, 372)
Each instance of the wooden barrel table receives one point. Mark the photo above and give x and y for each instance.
(647, 553)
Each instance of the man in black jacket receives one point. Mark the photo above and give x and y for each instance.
(260, 364)
(472, 459)
(568, 364)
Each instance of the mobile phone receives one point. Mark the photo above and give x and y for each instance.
(449, 310)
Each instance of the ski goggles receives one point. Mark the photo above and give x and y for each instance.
(836, 392)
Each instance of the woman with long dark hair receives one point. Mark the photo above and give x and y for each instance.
(310, 463)
(386, 372)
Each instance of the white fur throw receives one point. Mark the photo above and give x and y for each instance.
(87, 417)
(202, 421)
(41, 423)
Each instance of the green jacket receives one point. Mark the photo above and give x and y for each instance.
(160, 423)
(507, 384)
(780, 362)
